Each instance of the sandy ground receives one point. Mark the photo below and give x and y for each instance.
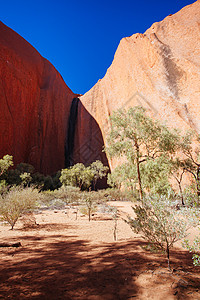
(65, 258)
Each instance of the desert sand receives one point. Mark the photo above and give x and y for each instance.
(65, 258)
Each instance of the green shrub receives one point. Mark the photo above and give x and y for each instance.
(161, 224)
(190, 196)
(68, 194)
(195, 249)
(16, 202)
(116, 195)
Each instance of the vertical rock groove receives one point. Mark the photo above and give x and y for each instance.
(69, 144)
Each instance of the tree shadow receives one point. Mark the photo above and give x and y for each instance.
(66, 268)
(47, 227)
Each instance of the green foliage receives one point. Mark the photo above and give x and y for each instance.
(89, 205)
(67, 194)
(3, 187)
(16, 202)
(25, 168)
(26, 178)
(117, 195)
(161, 224)
(5, 163)
(123, 176)
(191, 163)
(145, 145)
(97, 197)
(195, 249)
(12, 177)
(99, 171)
(155, 175)
(134, 125)
(25, 174)
(190, 196)
(78, 175)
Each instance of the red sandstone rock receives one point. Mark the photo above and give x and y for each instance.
(34, 110)
(159, 70)
(34, 105)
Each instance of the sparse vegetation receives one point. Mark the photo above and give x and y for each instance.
(195, 249)
(82, 177)
(161, 224)
(17, 201)
(89, 206)
(78, 175)
(5, 163)
(149, 154)
(99, 171)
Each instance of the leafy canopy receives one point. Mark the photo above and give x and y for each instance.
(145, 144)
(78, 175)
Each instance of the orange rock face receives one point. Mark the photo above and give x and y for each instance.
(159, 70)
(34, 109)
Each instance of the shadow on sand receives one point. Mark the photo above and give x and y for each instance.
(64, 268)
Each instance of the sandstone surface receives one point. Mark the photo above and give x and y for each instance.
(159, 70)
(34, 109)
(34, 105)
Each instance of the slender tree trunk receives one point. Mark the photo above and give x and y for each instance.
(94, 184)
(198, 182)
(115, 230)
(181, 193)
(138, 170)
(168, 261)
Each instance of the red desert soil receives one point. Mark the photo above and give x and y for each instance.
(64, 258)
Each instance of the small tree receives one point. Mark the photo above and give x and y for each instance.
(78, 175)
(99, 171)
(90, 205)
(17, 202)
(5, 163)
(139, 139)
(115, 215)
(26, 178)
(160, 224)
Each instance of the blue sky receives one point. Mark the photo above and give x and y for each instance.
(80, 37)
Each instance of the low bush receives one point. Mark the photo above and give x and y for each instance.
(17, 201)
(195, 249)
(161, 224)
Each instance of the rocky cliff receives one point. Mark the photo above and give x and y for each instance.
(34, 109)
(159, 70)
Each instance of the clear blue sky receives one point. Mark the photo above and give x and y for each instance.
(80, 37)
